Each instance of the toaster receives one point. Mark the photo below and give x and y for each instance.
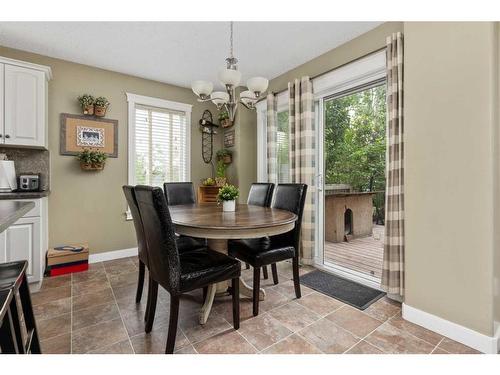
(29, 182)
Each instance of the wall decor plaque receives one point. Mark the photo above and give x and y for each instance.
(229, 138)
(81, 132)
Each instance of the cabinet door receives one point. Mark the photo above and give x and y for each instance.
(24, 106)
(22, 242)
(2, 116)
(3, 248)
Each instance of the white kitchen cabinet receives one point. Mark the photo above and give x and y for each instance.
(26, 239)
(23, 87)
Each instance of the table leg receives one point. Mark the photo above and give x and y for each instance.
(220, 245)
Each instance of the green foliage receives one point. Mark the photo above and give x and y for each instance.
(88, 156)
(355, 143)
(223, 115)
(283, 151)
(208, 182)
(221, 169)
(228, 193)
(86, 99)
(355, 140)
(101, 101)
(223, 152)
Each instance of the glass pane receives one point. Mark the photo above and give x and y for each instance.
(282, 153)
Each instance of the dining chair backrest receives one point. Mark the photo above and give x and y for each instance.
(260, 194)
(179, 193)
(164, 263)
(290, 197)
(136, 217)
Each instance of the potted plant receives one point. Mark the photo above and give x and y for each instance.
(225, 155)
(92, 160)
(224, 120)
(227, 195)
(87, 103)
(101, 105)
(220, 179)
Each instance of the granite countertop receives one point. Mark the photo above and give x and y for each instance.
(10, 212)
(24, 194)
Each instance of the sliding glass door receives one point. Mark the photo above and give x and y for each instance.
(351, 119)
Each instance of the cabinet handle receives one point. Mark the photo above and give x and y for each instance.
(0, 135)
(7, 136)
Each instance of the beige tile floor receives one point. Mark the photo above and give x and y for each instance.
(95, 312)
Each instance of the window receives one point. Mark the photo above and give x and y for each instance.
(283, 141)
(159, 141)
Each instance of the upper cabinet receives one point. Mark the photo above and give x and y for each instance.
(23, 112)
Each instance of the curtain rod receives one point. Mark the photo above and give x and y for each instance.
(329, 71)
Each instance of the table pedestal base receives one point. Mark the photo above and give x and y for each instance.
(219, 288)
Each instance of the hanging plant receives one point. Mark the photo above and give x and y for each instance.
(91, 160)
(87, 103)
(224, 120)
(225, 155)
(101, 105)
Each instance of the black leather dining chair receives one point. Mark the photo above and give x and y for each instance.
(13, 277)
(141, 241)
(290, 197)
(178, 193)
(261, 194)
(183, 244)
(8, 338)
(179, 272)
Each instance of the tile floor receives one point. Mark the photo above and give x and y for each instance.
(95, 312)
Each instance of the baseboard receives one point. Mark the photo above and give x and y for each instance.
(454, 331)
(111, 255)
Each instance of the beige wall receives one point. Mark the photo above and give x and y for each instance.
(496, 172)
(90, 206)
(450, 79)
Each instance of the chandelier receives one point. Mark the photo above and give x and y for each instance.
(230, 77)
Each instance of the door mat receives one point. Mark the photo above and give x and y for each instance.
(347, 291)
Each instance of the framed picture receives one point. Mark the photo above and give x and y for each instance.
(81, 132)
(229, 138)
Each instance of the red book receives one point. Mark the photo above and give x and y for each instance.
(70, 268)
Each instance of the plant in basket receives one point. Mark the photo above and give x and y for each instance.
(101, 105)
(92, 160)
(225, 155)
(224, 120)
(220, 178)
(87, 103)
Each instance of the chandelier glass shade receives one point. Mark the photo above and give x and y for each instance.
(230, 77)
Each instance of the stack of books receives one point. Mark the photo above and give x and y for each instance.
(66, 259)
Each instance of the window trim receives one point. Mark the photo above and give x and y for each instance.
(133, 100)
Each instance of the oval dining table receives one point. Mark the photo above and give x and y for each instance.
(207, 220)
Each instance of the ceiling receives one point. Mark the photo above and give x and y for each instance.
(180, 52)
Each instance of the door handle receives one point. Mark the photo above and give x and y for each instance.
(7, 136)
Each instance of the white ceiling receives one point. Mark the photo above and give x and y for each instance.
(180, 52)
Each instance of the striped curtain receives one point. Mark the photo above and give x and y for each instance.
(272, 131)
(393, 266)
(302, 155)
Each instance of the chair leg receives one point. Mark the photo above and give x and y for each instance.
(16, 322)
(264, 272)
(8, 339)
(296, 279)
(148, 300)
(29, 316)
(140, 282)
(205, 292)
(152, 298)
(274, 270)
(172, 324)
(256, 290)
(235, 287)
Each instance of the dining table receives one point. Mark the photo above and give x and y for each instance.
(209, 221)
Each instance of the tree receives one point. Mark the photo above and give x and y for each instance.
(355, 141)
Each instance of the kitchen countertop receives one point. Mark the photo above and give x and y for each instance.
(10, 212)
(24, 194)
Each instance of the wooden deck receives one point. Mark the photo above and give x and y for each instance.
(361, 254)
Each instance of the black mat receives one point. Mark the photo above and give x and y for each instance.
(347, 291)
